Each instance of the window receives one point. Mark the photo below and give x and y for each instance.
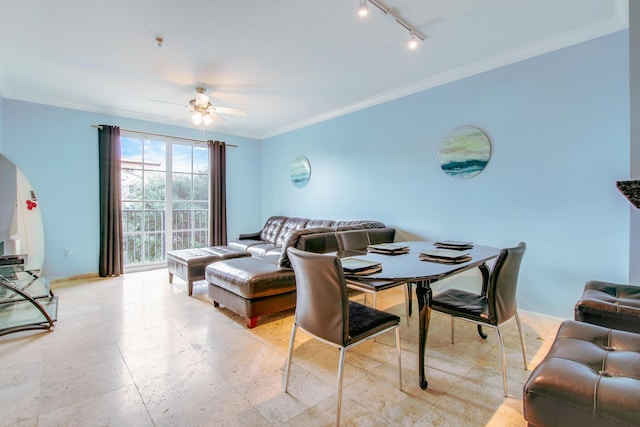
(165, 197)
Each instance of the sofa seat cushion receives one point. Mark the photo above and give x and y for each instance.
(263, 249)
(253, 278)
(590, 376)
(245, 244)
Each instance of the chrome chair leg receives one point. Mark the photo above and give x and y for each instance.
(524, 350)
(340, 377)
(291, 342)
(504, 361)
(399, 355)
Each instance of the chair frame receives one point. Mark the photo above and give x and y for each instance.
(343, 348)
(353, 247)
(488, 282)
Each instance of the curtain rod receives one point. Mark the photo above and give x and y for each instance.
(166, 136)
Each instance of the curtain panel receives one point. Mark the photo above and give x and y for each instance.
(111, 240)
(218, 185)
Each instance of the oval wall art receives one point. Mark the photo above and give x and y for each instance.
(465, 152)
(300, 171)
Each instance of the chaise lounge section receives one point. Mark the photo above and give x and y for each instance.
(264, 283)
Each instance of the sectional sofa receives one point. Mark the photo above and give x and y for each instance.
(264, 283)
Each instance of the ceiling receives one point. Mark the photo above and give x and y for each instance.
(289, 63)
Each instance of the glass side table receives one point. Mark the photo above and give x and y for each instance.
(26, 300)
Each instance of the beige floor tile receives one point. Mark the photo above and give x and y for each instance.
(120, 407)
(136, 350)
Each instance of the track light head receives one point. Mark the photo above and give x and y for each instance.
(363, 9)
(413, 41)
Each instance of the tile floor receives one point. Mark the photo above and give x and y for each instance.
(137, 351)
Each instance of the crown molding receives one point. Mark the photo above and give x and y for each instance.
(618, 22)
(129, 115)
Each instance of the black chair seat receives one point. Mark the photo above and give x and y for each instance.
(459, 302)
(365, 321)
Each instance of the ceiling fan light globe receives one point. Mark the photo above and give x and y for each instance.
(207, 120)
(196, 118)
(202, 99)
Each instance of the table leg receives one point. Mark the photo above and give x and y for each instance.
(423, 293)
(485, 285)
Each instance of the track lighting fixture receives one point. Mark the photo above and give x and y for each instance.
(414, 35)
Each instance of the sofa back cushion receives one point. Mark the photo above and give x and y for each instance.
(288, 227)
(357, 225)
(292, 241)
(315, 223)
(272, 228)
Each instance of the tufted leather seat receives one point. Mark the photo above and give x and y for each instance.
(590, 377)
(610, 305)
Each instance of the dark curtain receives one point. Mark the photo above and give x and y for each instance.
(111, 244)
(218, 171)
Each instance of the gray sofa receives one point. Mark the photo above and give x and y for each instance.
(264, 283)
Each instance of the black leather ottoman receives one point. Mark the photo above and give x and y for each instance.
(590, 377)
(189, 264)
(252, 287)
(610, 305)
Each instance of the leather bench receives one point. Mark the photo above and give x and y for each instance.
(590, 377)
(189, 264)
(610, 305)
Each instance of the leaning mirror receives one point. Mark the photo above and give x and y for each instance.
(300, 171)
(21, 229)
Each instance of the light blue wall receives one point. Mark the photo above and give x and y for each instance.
(58, 151)
(634, 70)
(1, 123)
(559, 128)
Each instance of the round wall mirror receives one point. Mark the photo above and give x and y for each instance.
(21, 229)
(300, 171)
(465, 152)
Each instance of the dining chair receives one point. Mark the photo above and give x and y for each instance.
(352, 243)
(494, 306)
(324, 311)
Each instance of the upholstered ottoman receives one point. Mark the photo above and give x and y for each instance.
(252, 287)
(610, 305)
(590, 377)
(189, 264)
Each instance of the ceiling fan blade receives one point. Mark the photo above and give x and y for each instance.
(167, 102)
(181, 115)
(227, 110)
(217, 118)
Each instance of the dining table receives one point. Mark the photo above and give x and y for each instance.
(409, 267)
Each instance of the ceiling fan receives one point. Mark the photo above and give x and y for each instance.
(203, 113)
